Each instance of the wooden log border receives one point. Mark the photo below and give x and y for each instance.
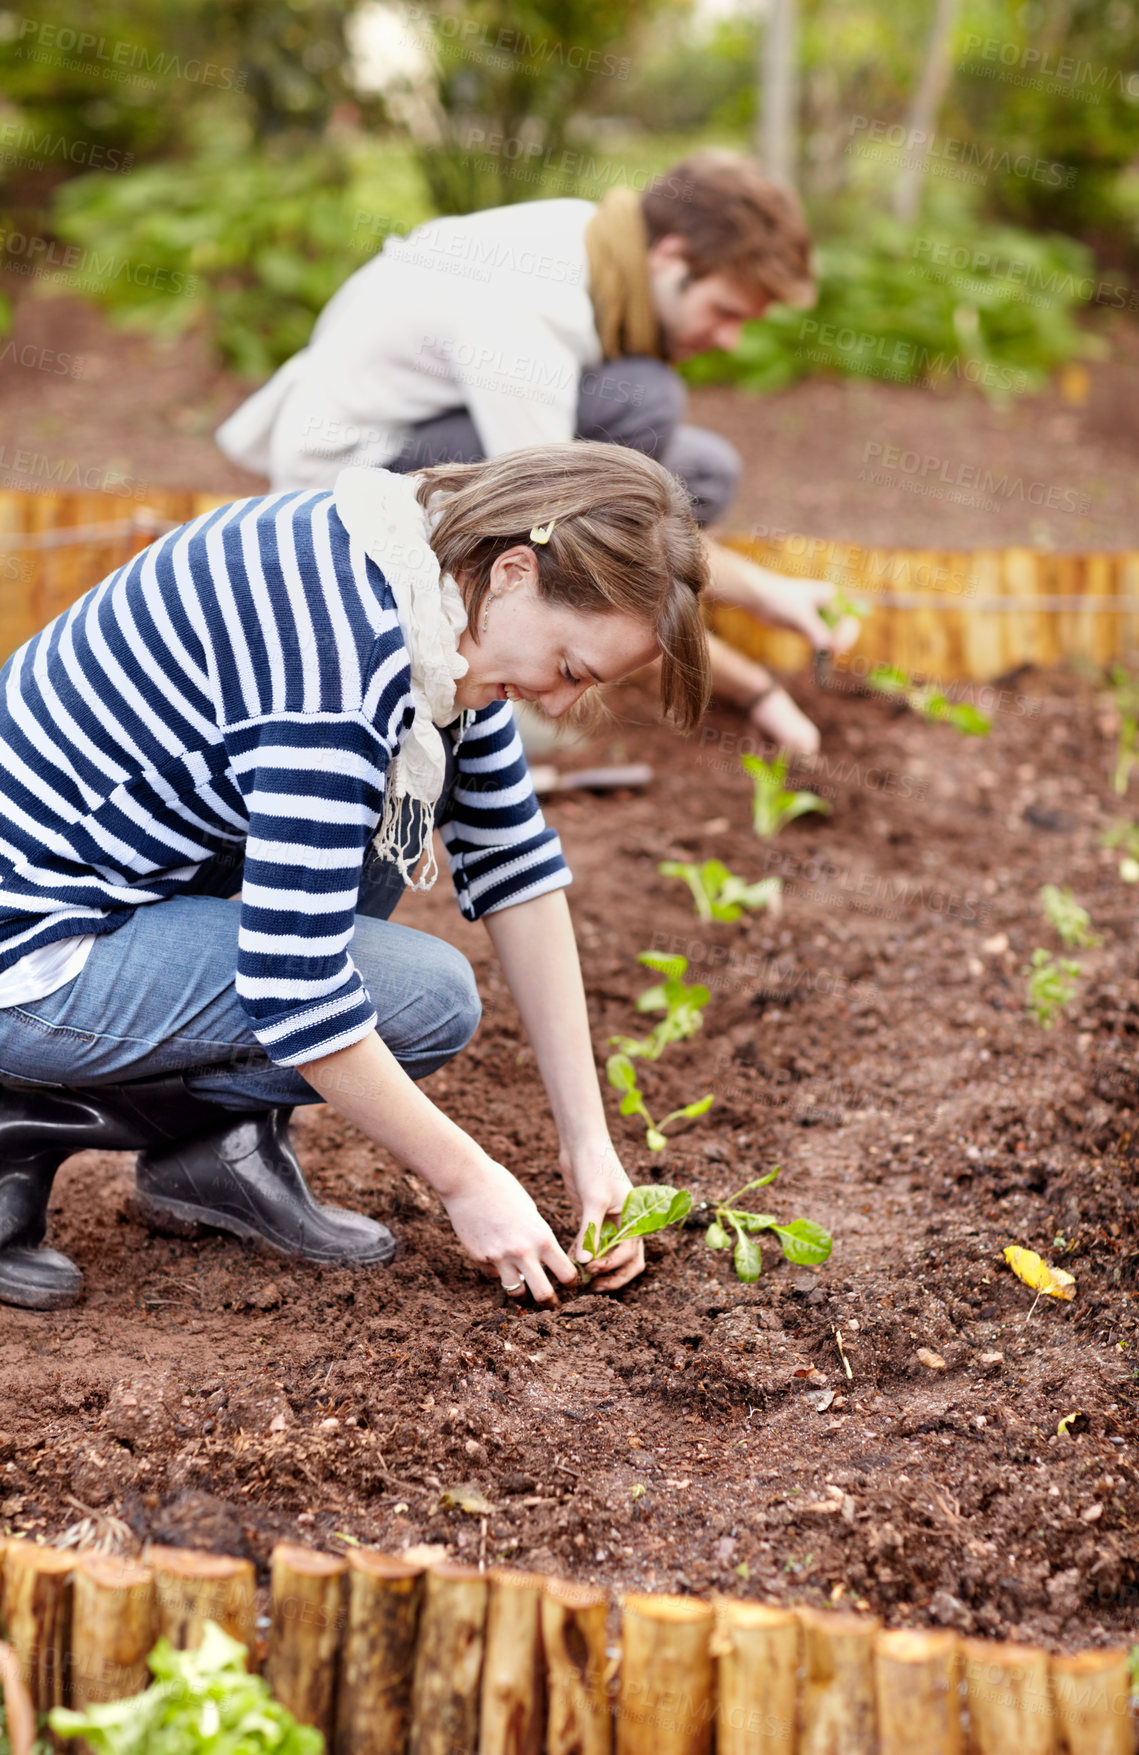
(382, 1653)
(941, 615)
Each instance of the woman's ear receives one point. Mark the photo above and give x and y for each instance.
(513, 569)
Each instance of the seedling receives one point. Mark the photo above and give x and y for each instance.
(681, 1004)
(930, 702)
(718, 893)
(841, 606)
(1072, 922)
(802, 1241)
(1125, 836)
(622, 1075)
(648, 1208)
(1051, 986)
(1126, 692)
(773, 805)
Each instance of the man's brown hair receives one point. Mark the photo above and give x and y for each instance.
(734, 221)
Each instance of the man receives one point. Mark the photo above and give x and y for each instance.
(554, 320)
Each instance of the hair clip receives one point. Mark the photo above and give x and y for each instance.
(542, 532)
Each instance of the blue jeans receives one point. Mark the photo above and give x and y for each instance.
(158, 996)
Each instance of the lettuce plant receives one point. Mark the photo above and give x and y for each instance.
(1051, 986)
(622, 1075)
(773, 805)
(648, 1208)
(1072, 922)
(718, 893)
(1126, 692)
(202, 1703)
(930, 702)
(682, 1005)
(1125, 836)
(802, 1241)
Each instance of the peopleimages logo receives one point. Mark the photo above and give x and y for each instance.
(62, 40)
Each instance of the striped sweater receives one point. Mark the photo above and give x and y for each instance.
(242, 685)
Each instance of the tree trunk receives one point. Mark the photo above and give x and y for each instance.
(37, 1609)
(838, 1686)
(377, 1659)
(191, 1589)
(112, 1629)
(1010, 1698)
(1091, 1690)
(919, 1708)
(574, 1633)
(932, 86)
(304, 1638)
(779, 91)
(667, 1700)
(448, 1662)
(513, 1713)
(757, 1650)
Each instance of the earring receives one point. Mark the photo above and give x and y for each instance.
(485, 617)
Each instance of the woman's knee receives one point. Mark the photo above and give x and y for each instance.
(457, 998)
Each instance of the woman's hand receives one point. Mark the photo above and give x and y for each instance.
(498, 1225)
(598, 1187)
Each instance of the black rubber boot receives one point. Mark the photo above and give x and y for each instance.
(246, 1180)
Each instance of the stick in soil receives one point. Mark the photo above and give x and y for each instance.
(377, 1659)
(838, 1685)
(112, 1629)
(513, 1679)
(919, 1709)
(191, 1589)
(307, 1615)
(575, 1634)
(1009, 1698)
(1090, 1692)
(37, 1609)
(757, 1652)
(448, 1662)
(667, 1700)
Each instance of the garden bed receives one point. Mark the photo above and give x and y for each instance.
(694, 1433)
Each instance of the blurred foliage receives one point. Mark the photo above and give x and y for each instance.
(513, 78)
(992, 306)
(253, 243)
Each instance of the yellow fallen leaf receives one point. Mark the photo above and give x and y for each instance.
(1062, 1428)
(1035, 1272)
(932, 1361)
(465, 1497)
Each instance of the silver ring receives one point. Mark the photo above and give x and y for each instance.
(518, 1288)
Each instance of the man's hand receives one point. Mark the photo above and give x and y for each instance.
(772, 597)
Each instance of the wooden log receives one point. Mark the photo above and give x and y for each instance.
(377, 1655)
(112, 1629)
(1009, 1698)
(306, 1621)
(448, 1661)
(838, 1706)
(918, 1677)
(667, 1700)
(37, 1609)
(191, 1589)
(18, 1709)
(574, 1636)
(512, 1716)
(1091, 1693)
(757, 1653)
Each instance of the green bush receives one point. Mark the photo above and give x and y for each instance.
(250, 243)
(993, 306)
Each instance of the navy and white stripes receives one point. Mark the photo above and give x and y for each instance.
(242, 684)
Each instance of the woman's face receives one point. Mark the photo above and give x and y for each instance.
(537, 651)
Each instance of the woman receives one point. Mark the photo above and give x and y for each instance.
(219, 769)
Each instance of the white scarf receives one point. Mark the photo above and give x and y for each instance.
(381, 512)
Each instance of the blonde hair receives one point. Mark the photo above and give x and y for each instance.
(624, 542)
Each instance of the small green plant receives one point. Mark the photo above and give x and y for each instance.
(1072, 922)
(932, 703)
(649, 1208)
(1125, 836)
(1051, 986)
(802, 1241)
(202, 1703)
(1125, 689)
(622, 1075)
(773, 805)
(841, 606)
(681, 1003)
(718, 893)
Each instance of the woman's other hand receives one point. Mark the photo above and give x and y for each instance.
(499, 1226)
(598, 1187)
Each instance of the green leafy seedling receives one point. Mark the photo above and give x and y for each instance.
(201, 1703)
(1072, 922)
(802, 1241)
(622, 1075)
(932, 703)
(649, 1208)
(773, 805)
(681, 1003)
(840, 607)
(1126, 692)
(1051, 986)
(1125, 836)
(718, 893)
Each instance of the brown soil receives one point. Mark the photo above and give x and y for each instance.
(693, 1433)
(862, 462)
